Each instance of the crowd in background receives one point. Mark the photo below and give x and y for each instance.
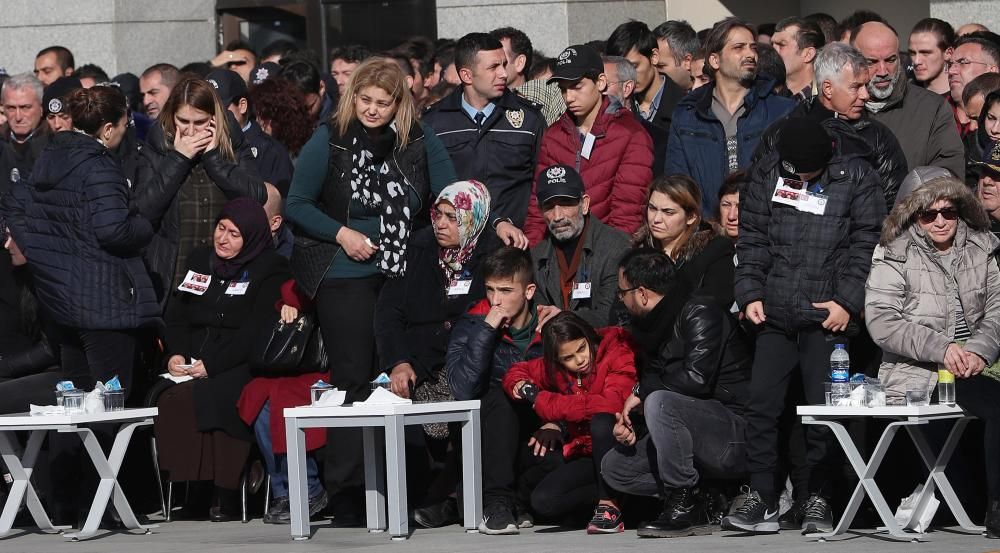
(638, 254)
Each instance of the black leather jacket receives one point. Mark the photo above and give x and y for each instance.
(699, 351)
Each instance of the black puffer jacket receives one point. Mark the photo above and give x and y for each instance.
(697, 350)
(158, 199)
(790, 259)
(81, 240)
(886, 155)
(479, 355)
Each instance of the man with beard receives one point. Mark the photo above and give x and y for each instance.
(576, 265)
(921, 120)
(717, 127)
(988, 191)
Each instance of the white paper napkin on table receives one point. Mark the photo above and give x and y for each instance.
(46, 409)
(381, 396)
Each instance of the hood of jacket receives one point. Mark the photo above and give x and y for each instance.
(903, 215)
(65, 152)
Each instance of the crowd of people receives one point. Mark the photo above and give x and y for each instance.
(638, 255)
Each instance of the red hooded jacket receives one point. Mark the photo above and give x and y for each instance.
(616, 175)
(601, 391)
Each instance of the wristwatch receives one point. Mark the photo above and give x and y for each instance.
(635, 390)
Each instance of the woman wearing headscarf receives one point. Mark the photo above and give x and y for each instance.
(363, 184)
(414, 314)
(223, 304)
(932, 303)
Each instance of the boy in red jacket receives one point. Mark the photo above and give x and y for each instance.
(601, 140)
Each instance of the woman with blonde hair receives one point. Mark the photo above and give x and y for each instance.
(364, 182)
(198, 161)
(674, 225)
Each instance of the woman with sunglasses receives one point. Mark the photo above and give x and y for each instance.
(933, 306)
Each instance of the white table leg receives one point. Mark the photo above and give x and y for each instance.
(21, 488)
(298, 500)
(107, 470)
(866, 475)
(472, 474)
(395, 456)
(374, 482)
(937, 477)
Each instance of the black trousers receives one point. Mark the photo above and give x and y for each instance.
(87, 356)
(978, 395)
(505, 426)
(346, 312)
(778, 353)
(557, 486)
(17, 394)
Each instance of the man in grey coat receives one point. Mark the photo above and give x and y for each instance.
(576, 264)
(921, 120)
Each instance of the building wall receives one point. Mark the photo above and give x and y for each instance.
(118, 35)
(552, 25)
(960, 12)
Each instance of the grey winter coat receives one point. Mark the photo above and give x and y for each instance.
(909, 292)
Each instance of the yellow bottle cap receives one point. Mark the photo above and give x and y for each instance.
(945, 377)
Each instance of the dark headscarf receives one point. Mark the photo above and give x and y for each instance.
(249, 217)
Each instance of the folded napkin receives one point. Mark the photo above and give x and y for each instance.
(35, 410)
(177, 379)
(381, 396)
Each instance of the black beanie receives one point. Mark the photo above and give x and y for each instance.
(804, 146)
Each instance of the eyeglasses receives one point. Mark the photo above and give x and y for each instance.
(621, 292)
(963, 62)
(931, 215)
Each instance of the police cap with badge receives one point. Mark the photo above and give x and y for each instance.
(559, 182)
(575, 63)
(54, 98)
(228, 84)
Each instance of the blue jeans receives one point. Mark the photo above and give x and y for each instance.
(277, 465)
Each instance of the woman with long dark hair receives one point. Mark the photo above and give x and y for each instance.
(575, 388)
(74, 224)
(674, 225)
(364, 182)
(201, 161)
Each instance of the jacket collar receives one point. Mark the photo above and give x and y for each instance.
(416, 133)
(482, 308)
(700, 100)
(587, 240)
(609, 111)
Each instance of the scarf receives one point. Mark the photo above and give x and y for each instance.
(471, 201)
(379, 186)
(249, 217)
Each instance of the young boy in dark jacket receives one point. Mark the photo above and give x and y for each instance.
(496, 333)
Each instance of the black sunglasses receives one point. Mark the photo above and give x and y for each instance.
(931, 215)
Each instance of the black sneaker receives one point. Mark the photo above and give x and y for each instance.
(683, 514)
(754, 515)
(792, 519)
(498, 518)
(818, 516)
(444, 513)
(525, 519)
(317, 503)
(606, 520)
(278, 512)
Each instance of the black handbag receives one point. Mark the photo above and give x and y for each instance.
(292, 348)
(310, 261)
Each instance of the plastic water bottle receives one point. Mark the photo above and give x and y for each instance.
(840, 375)
(946, 387)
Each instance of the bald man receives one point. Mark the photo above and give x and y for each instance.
(922, 121)
(970, 28)
(274, 208)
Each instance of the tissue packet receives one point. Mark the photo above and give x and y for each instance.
(114, 384)
(65, 385)
(381, 379)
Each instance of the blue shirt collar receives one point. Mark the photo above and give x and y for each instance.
(471, 111)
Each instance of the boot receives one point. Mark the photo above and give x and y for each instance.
(225, 505)
(993, 520)
(683, 514)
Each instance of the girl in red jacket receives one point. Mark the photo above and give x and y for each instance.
(575, 388)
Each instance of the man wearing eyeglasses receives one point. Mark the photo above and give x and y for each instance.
(922, 121)
(622, 77)
(974, 55)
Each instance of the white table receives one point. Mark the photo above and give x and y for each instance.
(107, 467)
(911, 418)
(392, 418)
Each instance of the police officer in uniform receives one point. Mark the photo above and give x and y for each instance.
(492, 134)
(274, 164)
